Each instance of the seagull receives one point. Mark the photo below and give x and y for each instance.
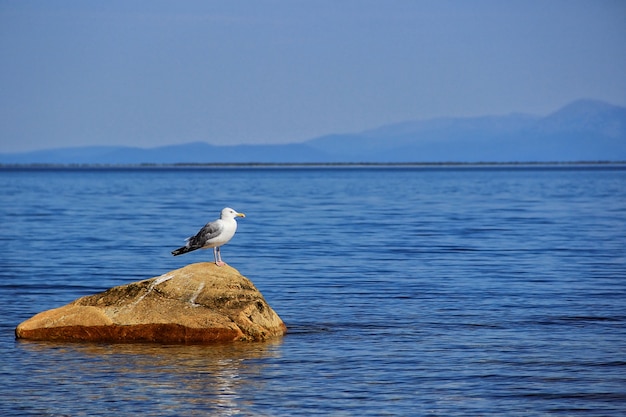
(213, 235)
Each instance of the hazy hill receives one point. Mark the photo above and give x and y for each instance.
(196, 152)
(585, 130)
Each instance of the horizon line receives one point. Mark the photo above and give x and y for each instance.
(199, 165)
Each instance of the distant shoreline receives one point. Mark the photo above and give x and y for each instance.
(553, 164)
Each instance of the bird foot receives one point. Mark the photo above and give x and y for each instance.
(220, 263)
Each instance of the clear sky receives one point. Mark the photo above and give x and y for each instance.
(150, 73)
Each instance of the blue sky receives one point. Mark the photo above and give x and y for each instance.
(150, 73)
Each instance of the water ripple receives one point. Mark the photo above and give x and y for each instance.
(405, 291)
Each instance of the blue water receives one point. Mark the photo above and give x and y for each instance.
(407, 291)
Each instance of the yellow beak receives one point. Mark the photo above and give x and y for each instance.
(241, 215)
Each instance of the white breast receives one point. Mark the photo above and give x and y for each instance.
(230, 227)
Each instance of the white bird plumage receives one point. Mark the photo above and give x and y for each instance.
(213, 235)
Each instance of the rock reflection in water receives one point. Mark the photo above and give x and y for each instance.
(181, 380)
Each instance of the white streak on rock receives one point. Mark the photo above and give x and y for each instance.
(192, 301)
(154, 283)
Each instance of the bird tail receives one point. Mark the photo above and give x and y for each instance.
(181, 250)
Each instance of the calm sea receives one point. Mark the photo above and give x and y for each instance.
(449, 291)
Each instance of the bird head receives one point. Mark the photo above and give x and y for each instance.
(228, 213)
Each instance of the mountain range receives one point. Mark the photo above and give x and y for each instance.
(585, 130)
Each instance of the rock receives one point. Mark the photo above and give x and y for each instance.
(199, 303)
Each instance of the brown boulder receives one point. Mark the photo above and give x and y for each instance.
(199, 303)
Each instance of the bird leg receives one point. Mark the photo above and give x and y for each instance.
(218, 256)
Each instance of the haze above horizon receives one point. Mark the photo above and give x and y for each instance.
(154, 73)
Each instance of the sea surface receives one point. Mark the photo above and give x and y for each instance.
(407, 291)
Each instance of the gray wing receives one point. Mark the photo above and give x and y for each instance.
(208, 232)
